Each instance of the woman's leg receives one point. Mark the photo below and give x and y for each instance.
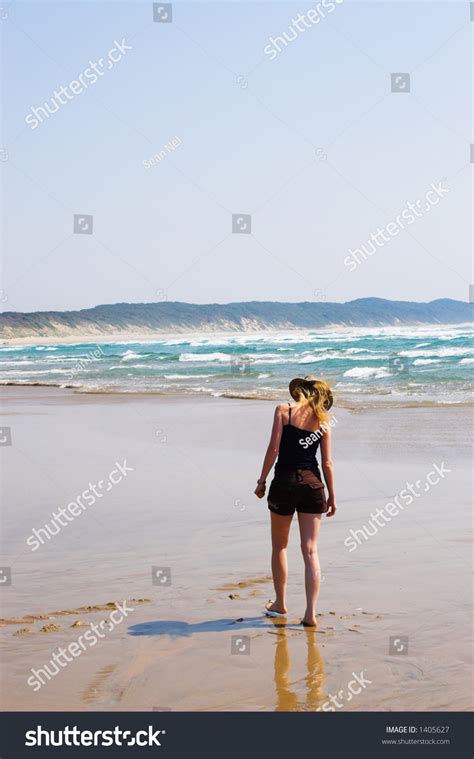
(309, 531)
(280, 531)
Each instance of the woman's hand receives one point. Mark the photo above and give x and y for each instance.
(260, 490)
(331, 502)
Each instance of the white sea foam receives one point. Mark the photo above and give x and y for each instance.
(214, 342)
(311, 358)
(425, 361)
(35, 372)
(16, 363)
(229, 357)
(359, 350)
(440, 352)
(130, 355)
(341, 356)
(204, 357)
(467, 361)
(188, 376)
(273, 361)
(363, 372)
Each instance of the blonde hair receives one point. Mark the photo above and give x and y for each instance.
(317, 394)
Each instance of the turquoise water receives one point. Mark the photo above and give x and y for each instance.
(416, 364)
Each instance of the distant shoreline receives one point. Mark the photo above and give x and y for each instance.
(123, 337)
(128, 337)
(146, 320)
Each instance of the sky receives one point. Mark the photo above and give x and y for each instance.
(307, 138)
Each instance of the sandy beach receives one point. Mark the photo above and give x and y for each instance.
(130, 336)
(184, 505)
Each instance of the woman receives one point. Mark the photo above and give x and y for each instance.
(298, 431)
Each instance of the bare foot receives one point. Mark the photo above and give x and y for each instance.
(272, 606)
(309, 622)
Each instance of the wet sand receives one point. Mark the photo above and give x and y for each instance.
(187, 507)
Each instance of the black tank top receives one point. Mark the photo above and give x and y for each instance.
(298, 448)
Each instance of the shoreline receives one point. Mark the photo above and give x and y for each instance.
(153, 337)
(147, 337)
(374, 403)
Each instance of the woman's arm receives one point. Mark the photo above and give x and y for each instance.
(328, 469)
(272, 450)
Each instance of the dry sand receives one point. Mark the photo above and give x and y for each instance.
(188, 505)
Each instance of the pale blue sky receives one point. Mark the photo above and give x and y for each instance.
(249, 128)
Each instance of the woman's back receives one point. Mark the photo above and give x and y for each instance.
(299, 445)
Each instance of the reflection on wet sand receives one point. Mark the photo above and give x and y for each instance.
(287, 699)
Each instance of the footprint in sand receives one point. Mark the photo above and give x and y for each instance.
(45, 629)
(29, 618)
(248, 585)
(24, 631)
(245, 584)
(93, 690)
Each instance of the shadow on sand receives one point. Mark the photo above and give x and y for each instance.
(176, 629)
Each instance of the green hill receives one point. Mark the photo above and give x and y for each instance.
(166, 317)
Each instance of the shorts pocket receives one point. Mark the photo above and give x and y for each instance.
(312, 500)
(278, 495)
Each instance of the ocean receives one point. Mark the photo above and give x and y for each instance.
(415, 365)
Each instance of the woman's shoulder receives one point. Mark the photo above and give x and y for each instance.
(282, 410)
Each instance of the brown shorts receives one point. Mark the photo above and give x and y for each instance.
(287, 495)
